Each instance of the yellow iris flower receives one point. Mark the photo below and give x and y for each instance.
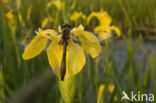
(76, 15)
(105, 28)
(9, 15)
(75, 56)
(57, 3)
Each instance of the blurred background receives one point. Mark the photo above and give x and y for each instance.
(127, 63)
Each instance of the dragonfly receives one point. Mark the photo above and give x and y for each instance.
(65, 34)
(64, 41)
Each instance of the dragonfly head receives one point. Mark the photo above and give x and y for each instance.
(65, 29)
(66, 25)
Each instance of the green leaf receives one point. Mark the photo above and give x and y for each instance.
(2, 95)
(129, 59)
(67, 89)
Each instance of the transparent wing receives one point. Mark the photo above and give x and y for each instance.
(77, 40)
(102, 42)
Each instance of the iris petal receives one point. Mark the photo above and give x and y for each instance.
(93, 14)
(75, 59)
(38, 44)
(102, 28)
(116, 29)
(76, 15)
(90, 43)
(35, 47)
(54, 52)
(104, 35)
(102, 16)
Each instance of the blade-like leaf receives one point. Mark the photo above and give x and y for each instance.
(67, 89)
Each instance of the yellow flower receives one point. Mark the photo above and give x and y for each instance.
(44, 23)
(75, 56)
(108, 29)
(76, 15)
(102, 16)
(104, 35)
(111, 88)
(105, 28)
(57, 3)
(9, 15)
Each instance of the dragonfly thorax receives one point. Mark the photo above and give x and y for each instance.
(66, 28)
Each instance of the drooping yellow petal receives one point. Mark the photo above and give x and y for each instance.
(104, 35)
(75, 59)
(38, 44)
(93, 14)
(108, 29)
(35, 47)
(54, 52)
(76, 15)
(116, 29)
(102, 28)
(90, 43)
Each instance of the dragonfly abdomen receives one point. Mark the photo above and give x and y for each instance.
(64, 41)
(63, 63)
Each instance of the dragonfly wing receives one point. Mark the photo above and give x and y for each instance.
(75, 59)
(102, 43)
(54, 53)
(89, 43)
